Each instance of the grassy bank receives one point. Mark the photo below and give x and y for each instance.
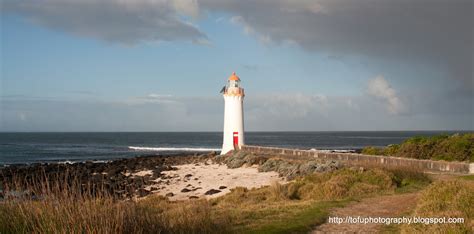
(294, 207)
(449, 199)
(457, 147)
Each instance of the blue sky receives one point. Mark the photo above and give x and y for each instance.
(63, 70)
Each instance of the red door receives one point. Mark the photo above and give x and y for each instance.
(236, 140)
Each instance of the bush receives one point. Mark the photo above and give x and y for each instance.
(372, 150)
(294, 169)
(239, 158)
(457, 147)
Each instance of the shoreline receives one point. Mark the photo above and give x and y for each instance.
(98, 161)
(181, 154)
(115, 177)
(177, 177)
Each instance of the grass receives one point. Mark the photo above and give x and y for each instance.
(295, 207)
(64, 205)
(302, 221)
(456, 147)
(108, 216)
(299, 206)
(467, 177)
(453, 198)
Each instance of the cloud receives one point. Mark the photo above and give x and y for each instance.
(436, 32)
(117, 21)
(154, 96)
(262, 112)
(289, 106)
(249, 30)
(22, 116)
(250, 67)
(380, 88)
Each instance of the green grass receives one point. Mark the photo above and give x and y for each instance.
(301, 222)
(456, 147)
(467, 177)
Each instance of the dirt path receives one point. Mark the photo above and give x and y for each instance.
(381, 206)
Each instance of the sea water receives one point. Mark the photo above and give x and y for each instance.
(73, 147)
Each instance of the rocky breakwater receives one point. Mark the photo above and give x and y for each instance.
(121, 179)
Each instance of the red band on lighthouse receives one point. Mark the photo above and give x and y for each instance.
(236, 139)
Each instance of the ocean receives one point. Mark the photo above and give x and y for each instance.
(19, 148)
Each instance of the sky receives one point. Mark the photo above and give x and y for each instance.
(306, 65)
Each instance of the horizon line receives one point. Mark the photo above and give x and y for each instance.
(303, 131)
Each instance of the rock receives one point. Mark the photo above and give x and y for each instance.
(222, 187)
(169, 194)
(143, 192)
(212, 191)
(90, 175)
(193, 197)
(185, 190)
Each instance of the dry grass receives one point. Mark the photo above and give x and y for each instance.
(453, 198)
(292, 207)
(63, 205)
(345, 183)
(108, 216)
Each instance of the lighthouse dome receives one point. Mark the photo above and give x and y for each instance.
(234, 77)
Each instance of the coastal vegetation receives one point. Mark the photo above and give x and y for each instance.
(452, 198)
(456, 147)
(280, 208)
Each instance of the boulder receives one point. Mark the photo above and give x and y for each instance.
(212, 191)
(185, 190)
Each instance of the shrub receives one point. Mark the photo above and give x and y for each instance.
(293, 169)
(239, 158)
(372, 151)
(457, 147)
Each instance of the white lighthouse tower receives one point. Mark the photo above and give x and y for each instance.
(233, 115)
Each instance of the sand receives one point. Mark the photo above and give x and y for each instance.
(192, 181)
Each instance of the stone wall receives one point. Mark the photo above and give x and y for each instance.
(354, 159)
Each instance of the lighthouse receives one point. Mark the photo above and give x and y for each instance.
(233, 114)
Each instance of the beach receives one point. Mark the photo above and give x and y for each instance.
(210, 180)
(177, 177)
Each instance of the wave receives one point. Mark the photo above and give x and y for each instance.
(171, 149)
